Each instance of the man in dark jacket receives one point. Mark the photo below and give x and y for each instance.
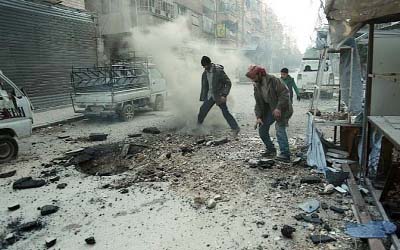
(272, 106)
(290, 83)
(215, 88)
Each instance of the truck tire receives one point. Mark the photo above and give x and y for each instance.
(127, 112)
(8, 148)
(159, 103)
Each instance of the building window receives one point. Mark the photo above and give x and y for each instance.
(105, 5)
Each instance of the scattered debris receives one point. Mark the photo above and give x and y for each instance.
(275, 227)
(50, 242)
(48, 209)
(324, 206)
(62, 185)
(310, 206)
(318, 239)
(151, 130)
(62, 137)
(336, 178)
(311, 180)
(28, 182)
(341, 190)
(329, 189)
(287, 231)
(90, 241)
(186, 150)
(14, 207)
(265, 236)
(98, 137)
(262, 163)
(8, 174)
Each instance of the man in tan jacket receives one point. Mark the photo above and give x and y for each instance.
(272, 105)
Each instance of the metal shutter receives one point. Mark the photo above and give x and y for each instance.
(39, 44)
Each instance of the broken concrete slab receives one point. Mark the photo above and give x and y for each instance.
(151, 130)
(309, 219)
(48, 209)
(98, 137)
(318, 239)
(311, 180)
(54, 179)
(14, 207)
(28, 182)
(8, 174)
(75, 151)
(29, 226)
(287, 231)
(90, 240)
(50, 242)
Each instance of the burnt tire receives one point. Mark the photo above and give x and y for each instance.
(8, 148)
(159, 104)
(127, 112)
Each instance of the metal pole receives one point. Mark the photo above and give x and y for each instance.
(216, 22)
(351, 83)
(367, 103)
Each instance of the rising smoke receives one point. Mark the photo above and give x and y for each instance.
(177, 56)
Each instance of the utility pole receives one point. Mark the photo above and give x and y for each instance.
(216, 22)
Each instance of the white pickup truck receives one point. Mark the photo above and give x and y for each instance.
(15, 118)
(118, 89)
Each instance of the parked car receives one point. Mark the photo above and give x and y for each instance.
(15, 118)
(119, 89)
(307, 78)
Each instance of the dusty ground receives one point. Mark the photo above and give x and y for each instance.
(158, 198)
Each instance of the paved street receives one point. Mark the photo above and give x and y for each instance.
(132, 209)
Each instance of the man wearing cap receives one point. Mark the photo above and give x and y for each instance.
(215, 88)
(290, 83)
(272, 105)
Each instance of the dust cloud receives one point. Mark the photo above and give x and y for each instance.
(178, 57)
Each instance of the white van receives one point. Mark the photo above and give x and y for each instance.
(15, 118)
(307, 78)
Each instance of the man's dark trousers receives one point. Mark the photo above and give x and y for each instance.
(206, 107)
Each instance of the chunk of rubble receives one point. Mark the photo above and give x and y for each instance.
(310, 206)
(318, 239)
(287, 231)
(29, 226)
(50, 242)
(14, 207)
(98, 137)
(338, 210)
(90, 240)
(211, 203)
(220, 141)
(134, 135)
(311, 180)
(28, 182)
(62, 185)
(48, 209)
(10, 238)
(151, 130)
(8, 174)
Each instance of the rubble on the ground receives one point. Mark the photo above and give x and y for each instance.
(8, 174)
(28, 182)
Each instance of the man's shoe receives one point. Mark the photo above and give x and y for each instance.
(283, 158)
(268, 153)
(235, 132)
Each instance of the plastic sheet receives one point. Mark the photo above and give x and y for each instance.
(372, 229)
(315, 153)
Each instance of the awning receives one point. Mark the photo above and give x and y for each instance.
(346, 17)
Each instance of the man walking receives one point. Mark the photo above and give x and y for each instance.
(290, 83)
(215, 88)
(272, 105)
